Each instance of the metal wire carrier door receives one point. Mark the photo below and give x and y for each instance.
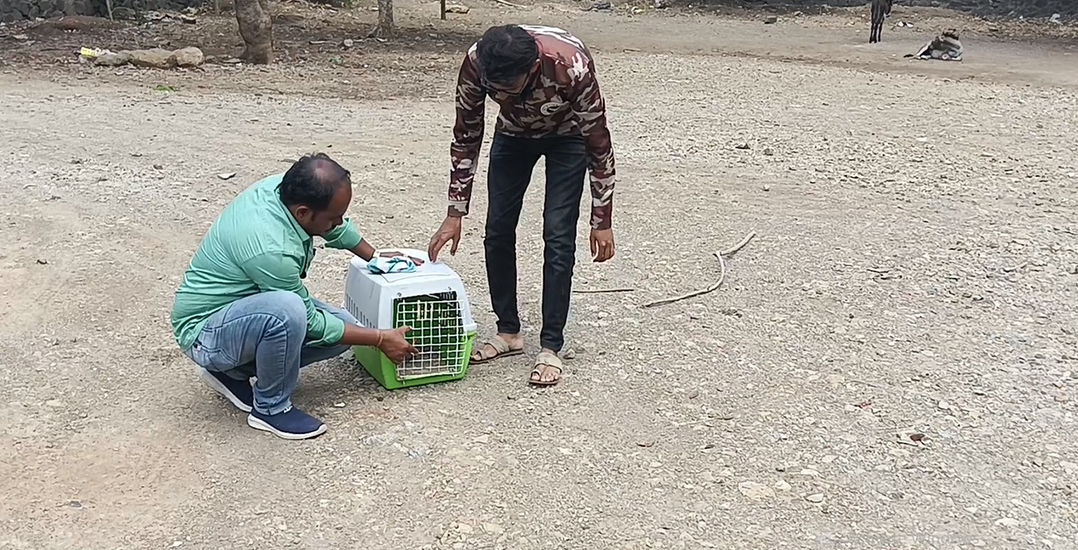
(437, 333)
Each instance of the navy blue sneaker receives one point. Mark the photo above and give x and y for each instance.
(292, 423)
(239, 392)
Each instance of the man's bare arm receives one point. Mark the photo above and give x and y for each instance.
(391, 342)
(364, 250)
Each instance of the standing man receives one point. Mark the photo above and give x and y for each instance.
(242, 310)
(543, 80)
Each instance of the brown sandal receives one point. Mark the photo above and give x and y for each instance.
(545, 360)
(501, 349)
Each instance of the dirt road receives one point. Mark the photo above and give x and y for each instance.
(913, 272)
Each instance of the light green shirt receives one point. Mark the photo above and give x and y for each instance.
(254, 246)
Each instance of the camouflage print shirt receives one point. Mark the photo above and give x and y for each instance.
(562, 99)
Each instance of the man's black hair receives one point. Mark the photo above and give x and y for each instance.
(312, 181)
(505, 53)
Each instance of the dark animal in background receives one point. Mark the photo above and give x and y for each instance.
(880, 10)
(946, 47)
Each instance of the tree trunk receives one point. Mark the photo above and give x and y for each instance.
(256, 28)
(386, 28)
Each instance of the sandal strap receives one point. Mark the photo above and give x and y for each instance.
(547, 360)
(498, 343)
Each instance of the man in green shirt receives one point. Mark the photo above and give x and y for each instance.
(242, 310)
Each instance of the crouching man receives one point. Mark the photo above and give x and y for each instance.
(242, 311)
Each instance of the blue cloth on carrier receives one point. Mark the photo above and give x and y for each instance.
(397, 264)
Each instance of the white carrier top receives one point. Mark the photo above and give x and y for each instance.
(370, 296)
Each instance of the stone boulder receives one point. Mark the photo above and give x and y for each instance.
(155, 58)
(113, 59)
(186, 57)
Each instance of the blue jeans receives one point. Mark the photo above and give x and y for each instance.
(263, 335)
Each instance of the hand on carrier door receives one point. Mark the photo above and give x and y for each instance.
(393, 344)
(602, 244)
(449, 231)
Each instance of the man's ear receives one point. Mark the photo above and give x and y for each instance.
(304, 212)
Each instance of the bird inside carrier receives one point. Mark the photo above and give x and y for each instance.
(432, 301)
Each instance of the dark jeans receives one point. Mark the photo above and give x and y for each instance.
(511, 163)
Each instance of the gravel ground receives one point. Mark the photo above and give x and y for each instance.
(890, 363)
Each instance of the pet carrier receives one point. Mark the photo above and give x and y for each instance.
(432, 301)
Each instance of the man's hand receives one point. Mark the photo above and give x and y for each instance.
(396, 348)
(602, 245)
(449, 231)
(394, 254)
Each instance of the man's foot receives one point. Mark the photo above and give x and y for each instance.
(292, 423)
(547, 371)
(502, 345)
(239, 392)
